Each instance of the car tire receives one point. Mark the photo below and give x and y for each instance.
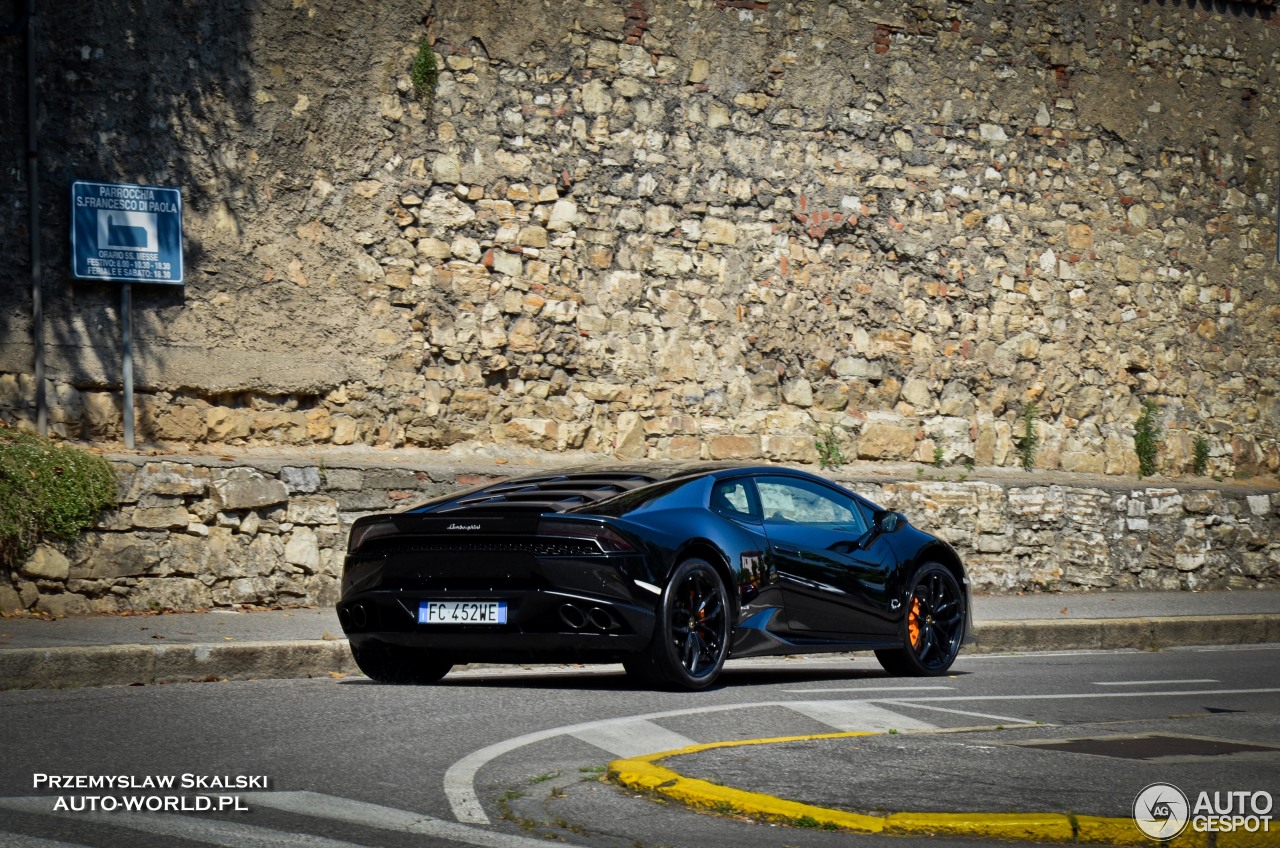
(692, 632)
(933, 627)
(398, 665)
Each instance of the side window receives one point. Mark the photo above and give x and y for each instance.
(734, 499)
(787, 500)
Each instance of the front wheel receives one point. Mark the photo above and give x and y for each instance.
(398, 665)
(933, 628)
(691, 636)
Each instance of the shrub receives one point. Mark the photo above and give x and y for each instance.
(47, 491)
(1146, 439)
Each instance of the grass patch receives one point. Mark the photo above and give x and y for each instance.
(48, 491)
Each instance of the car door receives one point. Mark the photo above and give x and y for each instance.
(833, 571)
(735, 499)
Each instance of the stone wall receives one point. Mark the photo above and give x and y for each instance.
(194, 534)
(211, 533)
(675, 228)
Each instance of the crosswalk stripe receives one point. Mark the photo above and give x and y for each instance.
(386, 818)
(19, 840)
(633, 738)
(988, 716)
(209, 831)
(856, 715)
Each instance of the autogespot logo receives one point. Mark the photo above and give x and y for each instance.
(1161, 811)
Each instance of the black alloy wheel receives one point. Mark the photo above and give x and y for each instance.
(398, 665)
(691, 637)
(933, 627)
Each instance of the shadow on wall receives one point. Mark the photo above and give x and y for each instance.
(246, 106)
(127, 92)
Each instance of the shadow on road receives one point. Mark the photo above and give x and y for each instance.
(612, 679)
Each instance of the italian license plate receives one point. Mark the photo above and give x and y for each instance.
(462, 612)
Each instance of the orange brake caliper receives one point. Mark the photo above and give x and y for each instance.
(913, 623)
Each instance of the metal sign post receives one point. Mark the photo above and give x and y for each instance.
(33, 190)
(127, 234)
(126, 332)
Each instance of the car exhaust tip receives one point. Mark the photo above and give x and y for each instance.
(344, 618)
(359, 615)
(573, 617)
(601, 619)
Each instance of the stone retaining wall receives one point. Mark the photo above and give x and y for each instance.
(672, 228)
(197, 533)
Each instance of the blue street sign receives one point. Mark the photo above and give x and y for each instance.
(126, 233)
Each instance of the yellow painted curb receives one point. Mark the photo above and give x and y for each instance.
(645, 774)
(1036, 827)
(1107, 831)
(1244, 839)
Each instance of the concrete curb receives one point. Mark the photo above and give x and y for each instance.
(1143, 634)
(129, 665)
(644, 773)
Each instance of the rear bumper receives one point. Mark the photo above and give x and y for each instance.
(542, 625)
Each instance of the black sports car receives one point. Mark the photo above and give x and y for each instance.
(670, 569)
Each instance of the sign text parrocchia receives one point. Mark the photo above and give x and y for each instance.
(126, 233)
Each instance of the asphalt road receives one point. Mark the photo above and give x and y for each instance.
(509, 758)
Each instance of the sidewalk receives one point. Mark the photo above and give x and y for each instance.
(125, 650)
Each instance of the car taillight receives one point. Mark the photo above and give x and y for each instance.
(368, 532)
(609, 539)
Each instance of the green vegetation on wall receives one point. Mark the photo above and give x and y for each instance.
(828, 446)
(1030, 436)
(1146, 439)
(47, 491)
(1200, 463)
(425, 72)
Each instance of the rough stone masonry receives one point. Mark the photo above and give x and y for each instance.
(199, 533)
(673, 228)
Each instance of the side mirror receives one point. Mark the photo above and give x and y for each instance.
(887, 521)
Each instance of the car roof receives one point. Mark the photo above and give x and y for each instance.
(581, 486)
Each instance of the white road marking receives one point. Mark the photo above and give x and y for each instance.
(857, 715)
(1086, 696)
(210, 831)
(386, 818)
(1003, 719)
(18, 840)
(855, 690)
(1149, 682)
(1082, 652)
(459, 779)
(633, 738)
